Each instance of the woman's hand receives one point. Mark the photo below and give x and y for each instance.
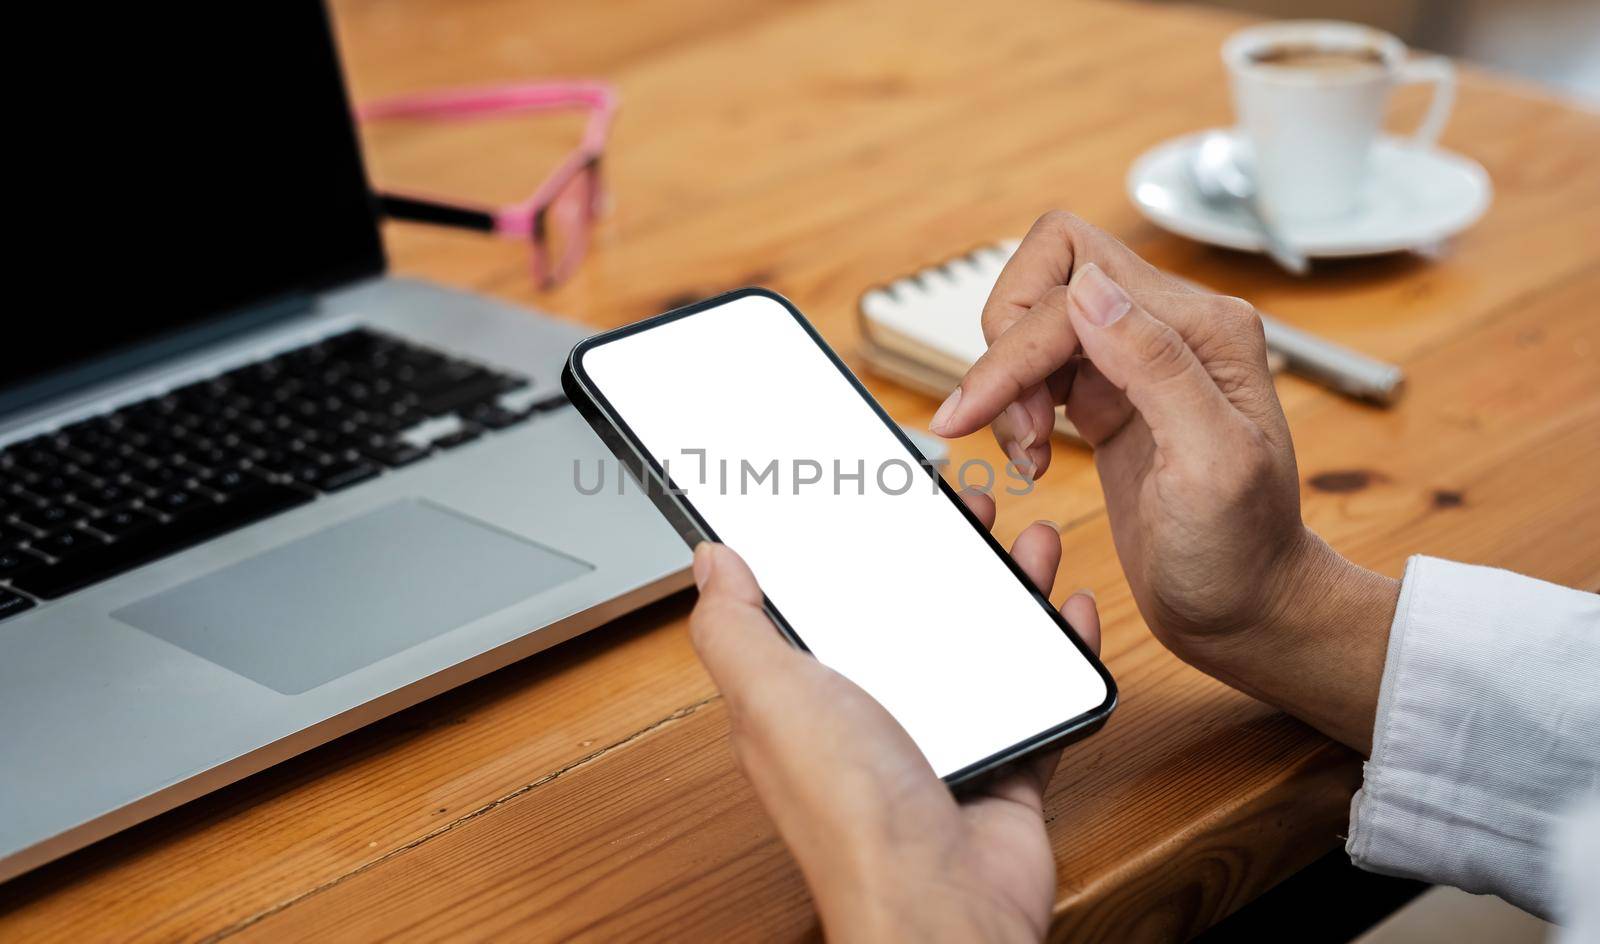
(886, 849)
(1171, 387)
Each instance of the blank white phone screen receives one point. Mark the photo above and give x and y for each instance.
(877, 572)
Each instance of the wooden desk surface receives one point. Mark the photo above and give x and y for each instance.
(818, 148)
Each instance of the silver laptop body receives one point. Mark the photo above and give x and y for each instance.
(110, 712)
(134, 694)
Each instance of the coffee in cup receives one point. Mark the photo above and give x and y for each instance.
(1320, 60)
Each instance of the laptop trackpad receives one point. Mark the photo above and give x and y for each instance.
(312, 610)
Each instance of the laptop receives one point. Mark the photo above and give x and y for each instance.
(255, 492)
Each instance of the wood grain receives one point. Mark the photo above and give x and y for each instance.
(819, 148)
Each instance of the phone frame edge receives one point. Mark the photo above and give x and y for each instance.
(629, 450)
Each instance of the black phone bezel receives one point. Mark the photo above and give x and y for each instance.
(629, 450)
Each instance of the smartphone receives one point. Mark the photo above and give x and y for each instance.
(744, 427)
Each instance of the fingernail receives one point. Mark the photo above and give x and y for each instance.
(1103, 301)
(1083, 592)
(702, 564)
(1020, 421)
(1039, 453)
(1052, 525)
(1019, 458)
(946, 410)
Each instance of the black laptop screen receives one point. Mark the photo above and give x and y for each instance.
(184, 168)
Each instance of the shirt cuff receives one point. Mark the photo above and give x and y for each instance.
(1485, 731)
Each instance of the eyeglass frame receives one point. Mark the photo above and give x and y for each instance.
(527, 218)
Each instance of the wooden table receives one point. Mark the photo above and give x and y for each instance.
(817, 148)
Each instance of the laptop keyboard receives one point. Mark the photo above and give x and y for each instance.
(100, 497)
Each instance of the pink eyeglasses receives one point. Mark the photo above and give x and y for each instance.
(557, 217)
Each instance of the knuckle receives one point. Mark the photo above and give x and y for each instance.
(1065, 227)
(1259, 465)
(1234, 310)
(998, 315)
(1057, 221)
(1233, 376)
(1162, 349)
(1243, 318)
(994, 321)
(1252, 467)
(1233, 345)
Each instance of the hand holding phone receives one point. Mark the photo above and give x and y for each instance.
(879, 806)
(748, 430)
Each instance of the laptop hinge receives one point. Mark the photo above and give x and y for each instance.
(99, 370)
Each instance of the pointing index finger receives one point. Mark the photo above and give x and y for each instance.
(1035, 346)
(1025, 320)
(1041, 261)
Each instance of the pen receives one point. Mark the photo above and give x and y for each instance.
(1332, 365)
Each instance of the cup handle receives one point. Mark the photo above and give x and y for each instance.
(1442, 74)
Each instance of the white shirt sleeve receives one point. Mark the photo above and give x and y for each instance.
(1578, 870)
(1487, 735)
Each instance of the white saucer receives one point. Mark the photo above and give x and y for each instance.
(1415, 197)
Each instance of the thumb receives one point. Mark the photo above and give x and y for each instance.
(730, 631)
(1149, 361)
(719, 572)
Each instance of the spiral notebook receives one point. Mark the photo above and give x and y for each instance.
(924, 330)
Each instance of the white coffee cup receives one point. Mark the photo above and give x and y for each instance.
(1310, 96)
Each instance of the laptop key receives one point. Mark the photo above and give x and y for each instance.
(39, 460)
(51, 487)
(151, 544)
(342, 475)
(108, 465)
(323, 474)
(395, 454)
(475, 390)
(460, 437)
(177, 501)
(46, 517)
(106, 496)
(493, 417)
(208, 456)
(159, 479)
(66, 543)
(17, 561)
(13, 603)
(122, 522)
(232, 481)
